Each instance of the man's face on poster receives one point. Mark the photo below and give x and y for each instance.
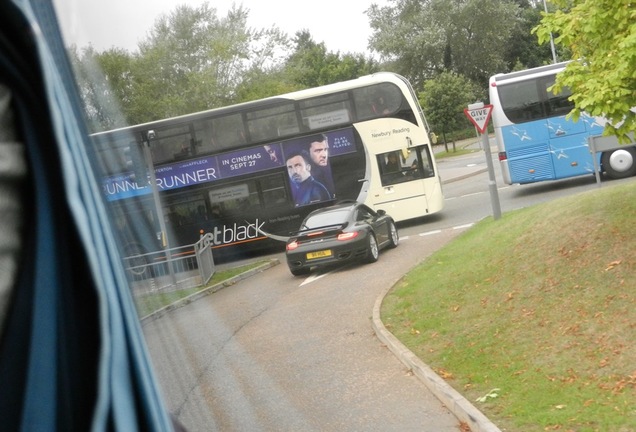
(319, 152)
(298, 169)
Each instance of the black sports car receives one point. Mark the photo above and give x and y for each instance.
(340, 233)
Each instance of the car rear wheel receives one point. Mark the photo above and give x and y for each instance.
(373, 252)
(299, 271)
(394, 239)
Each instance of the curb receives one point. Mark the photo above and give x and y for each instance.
(464, 176)
(207, 291)
(455, 402)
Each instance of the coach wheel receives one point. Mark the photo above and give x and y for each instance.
(619, 163)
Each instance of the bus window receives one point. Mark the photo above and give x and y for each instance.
(377, 101)
(185, 211)
(272, 123)
(172, 143)
(533, 100)
(274, 190)
(112, 153)
(557, 104)
(405, 165)
(326, 111)
(521, 101)
(221, 133)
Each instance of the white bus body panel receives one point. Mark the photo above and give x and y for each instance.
(401, 201)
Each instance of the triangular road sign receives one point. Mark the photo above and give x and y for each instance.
(479, 117)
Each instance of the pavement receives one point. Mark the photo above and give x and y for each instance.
(451, 172)
(462, 408)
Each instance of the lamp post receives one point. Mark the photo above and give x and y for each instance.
(554, 57)
(152, 180)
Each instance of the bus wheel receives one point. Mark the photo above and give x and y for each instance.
(619, 163)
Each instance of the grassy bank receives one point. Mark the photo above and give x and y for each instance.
(533, 317)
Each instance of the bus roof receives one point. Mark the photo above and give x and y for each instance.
(520, 75)
(297, 95)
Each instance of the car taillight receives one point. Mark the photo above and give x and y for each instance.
(348, 236)
(292, 245)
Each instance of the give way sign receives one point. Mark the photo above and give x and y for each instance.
(479, 115)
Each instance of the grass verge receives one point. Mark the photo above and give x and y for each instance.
(533, 317)
(459, 152)
(152, 302)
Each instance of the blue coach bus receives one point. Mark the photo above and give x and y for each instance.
(535, 139)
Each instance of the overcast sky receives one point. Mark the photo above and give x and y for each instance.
(341, 24)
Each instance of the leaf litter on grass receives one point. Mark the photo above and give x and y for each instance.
(539, 305)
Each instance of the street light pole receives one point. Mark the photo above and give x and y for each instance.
(146, 137)
(554, 57)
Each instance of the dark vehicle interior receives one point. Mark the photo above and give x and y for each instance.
(64, 321)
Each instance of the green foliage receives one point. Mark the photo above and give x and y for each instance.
(311, 65)
(468, 37)
(193, 61)
(523, 50)
(258, 84)
(190, 61)
(105, 83)
(602, 38)
(444, 99)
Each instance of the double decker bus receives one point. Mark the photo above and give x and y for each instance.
(231, 171)
(536, 141)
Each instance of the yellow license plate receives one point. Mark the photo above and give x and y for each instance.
(319, 254)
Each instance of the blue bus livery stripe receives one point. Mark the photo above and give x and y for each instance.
(212, 168)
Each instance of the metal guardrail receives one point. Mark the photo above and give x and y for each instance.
(175, 268)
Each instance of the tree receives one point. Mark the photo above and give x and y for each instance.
(193, 61)
(523, 50)
(311, 65)
(444, 99)
(423, 38)
(105, 84)
(602, 38)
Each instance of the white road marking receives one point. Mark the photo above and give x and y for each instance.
(429, 233)
(315, 277)
(312, 278)
(463, 226)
